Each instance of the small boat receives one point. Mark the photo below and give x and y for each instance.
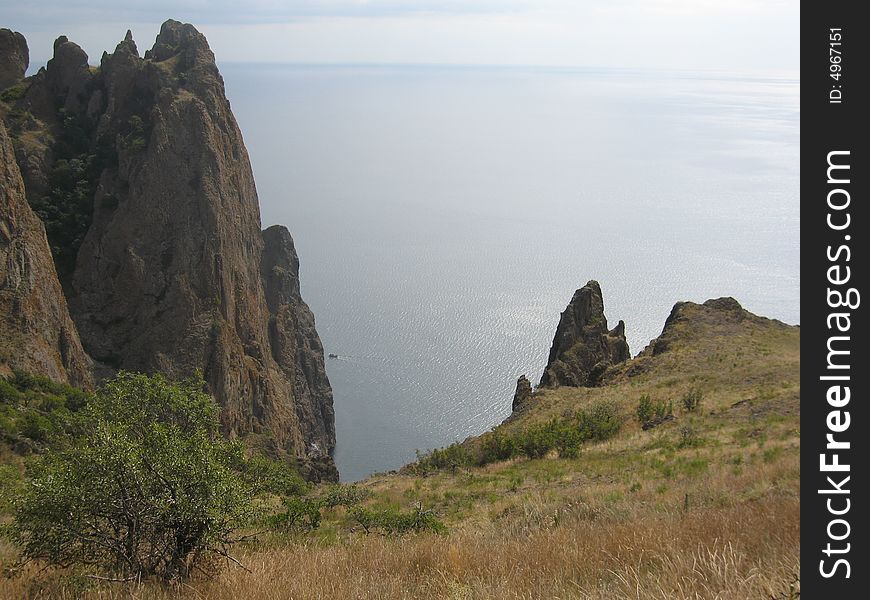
(331, 355)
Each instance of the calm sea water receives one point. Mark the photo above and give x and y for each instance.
(445, 216)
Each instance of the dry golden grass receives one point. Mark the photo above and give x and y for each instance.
(725, 553)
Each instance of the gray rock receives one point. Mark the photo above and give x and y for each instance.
(36, 332)
(14, 58)
(583, 347)
(522, 394)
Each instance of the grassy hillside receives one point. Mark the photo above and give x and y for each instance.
(703, 504)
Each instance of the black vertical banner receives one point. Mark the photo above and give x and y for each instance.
(835, 420)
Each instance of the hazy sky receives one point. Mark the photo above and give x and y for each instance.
(730, 35)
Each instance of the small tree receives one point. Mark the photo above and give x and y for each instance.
(146, 488)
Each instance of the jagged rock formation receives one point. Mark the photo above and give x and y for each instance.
(36, 331)
(165, 266)
(583, 347)
(14, 58)
(522, 394)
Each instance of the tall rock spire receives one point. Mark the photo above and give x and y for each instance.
(583, 347)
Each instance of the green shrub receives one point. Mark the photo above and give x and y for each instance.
(653, 412)
(147, 490)
(390, 521)
(601, 422)
(452, 457)
(299, 514)
(35, 426)
(538, 440)
(10, 486)
(266, 476)
(566, 435)
(303, 513)
(36, 408)
(135, 139)
(497, 446)
(14, 93)
(67, 208)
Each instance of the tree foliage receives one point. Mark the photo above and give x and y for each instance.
(148, 488)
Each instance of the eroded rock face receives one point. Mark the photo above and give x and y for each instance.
(294, 342)
(14, 58)
(174, 273)
(583, 347)
(36, 332)
(522, 394)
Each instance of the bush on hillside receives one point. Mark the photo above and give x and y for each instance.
(390, 521)
(149, 490)
(450, 458)
(303, 513)
(653, 412)
(565, 435)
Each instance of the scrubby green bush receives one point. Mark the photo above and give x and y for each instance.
(14, 93)
(11, 481)
(497, 446)
(538, 440)
(344, 495)
(67, 207)
(566, 435)
(303, 513)
(689, 437)
(135, 139)
(298, 514)
(391, 521)
(601, 422)
(653, 412)
(147, 489)
(450, 458)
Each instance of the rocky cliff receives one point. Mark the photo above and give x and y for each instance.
(139, 170)
(14, 58)
(36, 332)
(583, 347)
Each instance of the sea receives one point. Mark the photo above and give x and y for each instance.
(444, 216)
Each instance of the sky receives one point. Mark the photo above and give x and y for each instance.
(744, 36)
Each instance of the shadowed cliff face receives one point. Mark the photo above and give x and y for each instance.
(171, 272)
(36, 332)
(14, 57)
(583, 347)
